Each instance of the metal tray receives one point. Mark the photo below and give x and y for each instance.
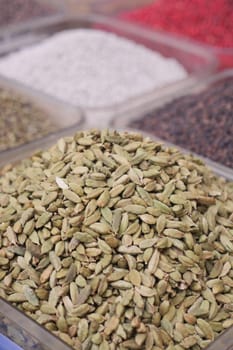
(123, 121)
(195, 59)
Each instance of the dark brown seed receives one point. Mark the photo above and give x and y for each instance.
(200, 122)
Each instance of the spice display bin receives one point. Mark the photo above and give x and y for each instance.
(124, 120)
(196, 60)
(29, 335)
(25, 334)
(66, 117)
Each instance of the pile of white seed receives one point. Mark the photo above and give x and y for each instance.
(91, 68)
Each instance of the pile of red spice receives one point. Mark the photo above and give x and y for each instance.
(208, 21)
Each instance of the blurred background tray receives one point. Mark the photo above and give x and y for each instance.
(65, 117)
(195, 59)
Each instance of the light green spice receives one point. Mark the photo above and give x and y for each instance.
(105, 269)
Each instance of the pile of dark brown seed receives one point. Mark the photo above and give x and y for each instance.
(18, 10)
(202, 123)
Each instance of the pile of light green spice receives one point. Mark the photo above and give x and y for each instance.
(21, 121)
(112, 241)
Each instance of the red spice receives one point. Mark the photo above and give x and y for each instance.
(208, 21)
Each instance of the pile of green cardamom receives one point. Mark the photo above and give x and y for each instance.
(21, 121)
(112, 241)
